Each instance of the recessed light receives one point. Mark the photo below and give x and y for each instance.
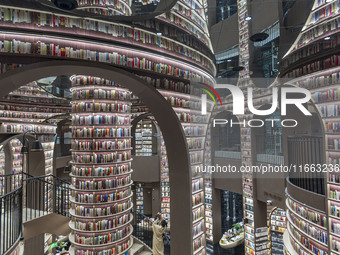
(327, 38)
(248, 18)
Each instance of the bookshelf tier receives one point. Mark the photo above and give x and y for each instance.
(109, 32)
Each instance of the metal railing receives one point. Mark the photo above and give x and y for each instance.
(9, 183)
(45, 194)
(142, 229)
(10, 219)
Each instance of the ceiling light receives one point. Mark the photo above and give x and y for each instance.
(328, 1)
(259, 37)
(248, 18)
(159, 33)
(229, 60)
(66, 4)
(327, 38)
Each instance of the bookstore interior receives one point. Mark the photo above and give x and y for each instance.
(123, 131)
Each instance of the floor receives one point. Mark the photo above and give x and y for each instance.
(217, 250)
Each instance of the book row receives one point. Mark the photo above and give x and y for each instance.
(197, 199)
(102, 158)
(36, 19)
(334, 209)
(102, 211)
(334, 194)
(330, 95)
(314, 67)
(197, 228)
(171, 85)
(117, 249)
(320, 235)
(113, 94)
(309, 244)
(100, 107)
(324, 12)
(308, 214)
(24, 115)
(102, 198)
(194, 131)
(184, 103)
(101, 145)
(101, 132)
(102, 239)
(25, 108)
(330, 111)
(109, 55)
(100, 119)
(191, 118)
(102, 171)
(102, 224)
(335, 227)
(318, 31)
(197, 185)
(21, 128)
(312, 49)
(103, 184)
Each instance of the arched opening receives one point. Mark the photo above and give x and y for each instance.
(180, 174)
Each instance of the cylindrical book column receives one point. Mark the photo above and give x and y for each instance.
(101, 168)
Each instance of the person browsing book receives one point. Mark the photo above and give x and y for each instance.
(158, 228)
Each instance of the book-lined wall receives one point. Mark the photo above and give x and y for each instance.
(322, 77)
(322, 22)
(101, 197)
(307, 228)
(165, 183)
(190, 14)
(143, 138)
(24, 110)
(53, 47)
(251, 234)
(30, 103)
(208, 188)
(106, 7)
(139, 198)
(277, 226)
(35, 20)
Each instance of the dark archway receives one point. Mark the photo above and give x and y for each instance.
(178, 156)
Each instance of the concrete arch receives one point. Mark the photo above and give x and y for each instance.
(178, 156)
